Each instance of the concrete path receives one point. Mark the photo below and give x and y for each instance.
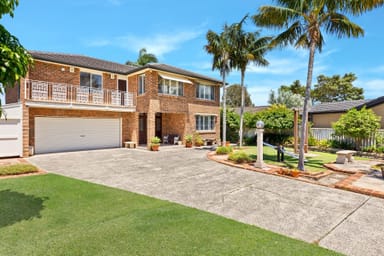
(339, 220)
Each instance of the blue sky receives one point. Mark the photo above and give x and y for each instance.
(175, 31)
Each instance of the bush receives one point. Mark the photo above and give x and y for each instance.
(312, 141)
(223, 150)
(250, 141)
(239, 157)
(341, 144)
(17, 169)
(323, 144)
(198, 141)
(380, 149)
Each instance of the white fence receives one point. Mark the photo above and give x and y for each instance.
(327, 134)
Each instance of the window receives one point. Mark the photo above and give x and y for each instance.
(91, 80)
(205, 92)
(205, 123)
(141, 84)
(171, 87)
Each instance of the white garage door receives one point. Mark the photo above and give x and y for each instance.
(10, 138)
(11, 131)
(70, 134)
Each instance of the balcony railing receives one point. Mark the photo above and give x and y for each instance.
(71, 94)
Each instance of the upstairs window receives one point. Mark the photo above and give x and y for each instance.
(141, 84)
(171, 87)
(205, 92)
(91, 80)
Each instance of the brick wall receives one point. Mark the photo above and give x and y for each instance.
(12, 94)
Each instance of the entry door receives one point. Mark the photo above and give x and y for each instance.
(143, 129)
(122, 87)
(158, 128)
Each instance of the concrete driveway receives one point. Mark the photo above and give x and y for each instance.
(339, 220)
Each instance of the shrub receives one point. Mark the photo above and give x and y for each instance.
(239, 157)
(380, 149)
(250, 141)
(223, 150)
(323, 144)
(198, 141)
(312, 141)
(17, 169)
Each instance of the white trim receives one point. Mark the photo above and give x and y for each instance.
(78, 106)
(175, 79)
(205, 114)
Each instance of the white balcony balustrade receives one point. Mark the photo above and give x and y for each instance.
(42, 91)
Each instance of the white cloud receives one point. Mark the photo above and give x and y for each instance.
(158, 44)
(279, 67)
(372, 88)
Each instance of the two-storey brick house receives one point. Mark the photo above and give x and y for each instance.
(73, 102)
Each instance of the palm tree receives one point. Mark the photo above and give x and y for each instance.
(304, 22)
(143, 58)
(249, 47)
(220, 47)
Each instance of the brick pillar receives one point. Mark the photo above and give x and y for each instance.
(154, 107)
(25, 119)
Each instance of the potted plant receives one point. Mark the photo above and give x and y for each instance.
(188, 140)
(155, 143)
(198, 140)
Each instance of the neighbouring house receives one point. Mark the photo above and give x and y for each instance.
(323, 115)
(73, 102)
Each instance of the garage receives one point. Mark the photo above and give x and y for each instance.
(58, 134)
(11, 131)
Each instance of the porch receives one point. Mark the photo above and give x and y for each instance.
(50, 94)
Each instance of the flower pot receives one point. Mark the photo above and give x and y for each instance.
(188, 144)
(155, 147)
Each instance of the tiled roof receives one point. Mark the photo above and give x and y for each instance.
(175, 70)
(336, 107)
(82, 61)
(113, 67)
(374, 102)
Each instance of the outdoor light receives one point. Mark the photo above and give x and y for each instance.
(260, 124)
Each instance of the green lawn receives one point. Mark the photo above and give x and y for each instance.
(54, 215)
(314, 162)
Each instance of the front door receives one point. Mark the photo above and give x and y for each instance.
(122, 87)
(143, 128)
(158, 128)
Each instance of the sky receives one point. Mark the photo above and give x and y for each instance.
(174, 31)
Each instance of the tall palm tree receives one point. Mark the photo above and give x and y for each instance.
(303, 22)
(248, 47)
(143, 58)
(220, 47)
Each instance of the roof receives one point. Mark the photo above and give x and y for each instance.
(113, 67)
(82, 61)
(342, 106)
(374, 102)
(254, 109)
(175, 70)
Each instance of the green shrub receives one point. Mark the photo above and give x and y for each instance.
(312, 141)
(223, 150)
(239, 157)
(17, 169)
(369, 149)
(250, 141)
(380, 149)
(323, 144)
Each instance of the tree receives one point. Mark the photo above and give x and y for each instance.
(303, 22)
(336, 88)
(14, 58)
(286, 97)
(143, 58)
(220, 47)
(295, 88)
(357, 124)
(248, 47)
(234, 96)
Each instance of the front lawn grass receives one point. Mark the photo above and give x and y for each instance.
(17, 169)
(315, 160)
(55, 215)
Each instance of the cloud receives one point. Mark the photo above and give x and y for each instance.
(115, 2)
(158, 44)
(372, 88)
(286, 66)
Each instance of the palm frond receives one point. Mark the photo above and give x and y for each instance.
(339, 25)
(274, 16)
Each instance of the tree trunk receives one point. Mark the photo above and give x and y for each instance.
(242, 108)
(224, 112)
(304, 121)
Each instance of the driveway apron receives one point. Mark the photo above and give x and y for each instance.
(339, 220)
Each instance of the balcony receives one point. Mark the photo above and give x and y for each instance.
(58, 95)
